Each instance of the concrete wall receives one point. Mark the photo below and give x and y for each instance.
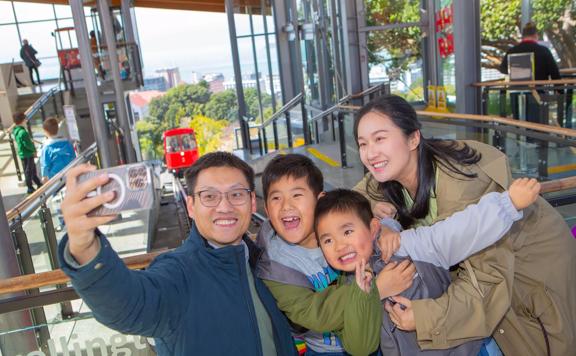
(8, 95)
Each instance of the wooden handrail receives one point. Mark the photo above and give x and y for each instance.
(558, 185)
(51, 278)
(500, 83)
(492, 119)
(567, 70)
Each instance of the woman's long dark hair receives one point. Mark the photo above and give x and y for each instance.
(431, 152)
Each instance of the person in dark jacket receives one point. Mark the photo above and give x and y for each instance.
(28, 55)
(545, 68)
(200, 299)
(26, 151)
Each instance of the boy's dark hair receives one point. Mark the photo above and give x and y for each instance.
(295, 166)
(18, 117)
(217, 159)
(343, 201)
(529, 30)
(51, 126)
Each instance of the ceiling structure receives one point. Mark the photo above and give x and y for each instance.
(192, 5)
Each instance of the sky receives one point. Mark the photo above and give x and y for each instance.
(193, 41)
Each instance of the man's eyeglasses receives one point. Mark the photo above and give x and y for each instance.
(211, 198)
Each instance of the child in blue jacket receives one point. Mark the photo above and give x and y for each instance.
(56, 153)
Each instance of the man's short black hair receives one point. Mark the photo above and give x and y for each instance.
(217, 159)
(529, 30)
(295, 166)
(343, 201)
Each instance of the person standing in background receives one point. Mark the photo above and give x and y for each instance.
(28, 55)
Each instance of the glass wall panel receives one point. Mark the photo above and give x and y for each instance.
(10, 48)
(396, 55)
(6, 13)
(499, 21)
(556, 21)
(392, 11)
(33, 12)
(63, 11)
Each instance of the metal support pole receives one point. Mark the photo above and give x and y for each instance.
(467, 55)
(54, 105)
(120, 104)
(92, 94)
(275, 130)
(50, 237)
(229, 4)
(27, 266)
(342, 139)
(43, 113)
(289, 127)
(502, 102)
(264, 140)
(24, 341)
(126, 8)
(15, 156)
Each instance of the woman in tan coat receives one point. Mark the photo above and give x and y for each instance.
(521, 290)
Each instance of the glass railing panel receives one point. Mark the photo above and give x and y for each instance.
(32, 227)
(80, 335)
(297, 126)
(353, 159)
(538, 155)
(270, 144)
(282, 132)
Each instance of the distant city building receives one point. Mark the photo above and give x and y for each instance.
(155, 83)
(172, 76)
(249, 81)
(215, 81)
(140, 102)
(194, 79)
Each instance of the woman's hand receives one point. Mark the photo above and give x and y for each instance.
(384, 210)
(395, 278)
(401, 313)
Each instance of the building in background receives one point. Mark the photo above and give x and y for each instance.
(140, 102)
(155, 83)
(172, 76)
(215, 82)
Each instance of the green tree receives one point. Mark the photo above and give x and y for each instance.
(500, 22)
(223, 106)
(208, 133)
(253, 106)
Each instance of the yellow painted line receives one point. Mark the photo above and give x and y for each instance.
(561, 169)
(321, 156)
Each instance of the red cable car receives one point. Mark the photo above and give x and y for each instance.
(180, 149)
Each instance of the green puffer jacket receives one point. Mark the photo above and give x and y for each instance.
(23, 142)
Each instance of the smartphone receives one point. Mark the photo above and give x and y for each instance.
(132, 185)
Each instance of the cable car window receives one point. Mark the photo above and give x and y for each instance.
(172, 144)
(188, 142)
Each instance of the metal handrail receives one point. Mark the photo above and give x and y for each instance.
(346, 99)
(26, 208)
(289, 105)
(489, 119)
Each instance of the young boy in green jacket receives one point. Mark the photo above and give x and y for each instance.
(26, 151)
(295, 271)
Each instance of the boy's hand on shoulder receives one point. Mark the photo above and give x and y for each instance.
(364, 276)
(384, 210)
(388, 242)
(523, 192)
(395, 278)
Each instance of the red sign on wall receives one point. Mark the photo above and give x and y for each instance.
(444, 22)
